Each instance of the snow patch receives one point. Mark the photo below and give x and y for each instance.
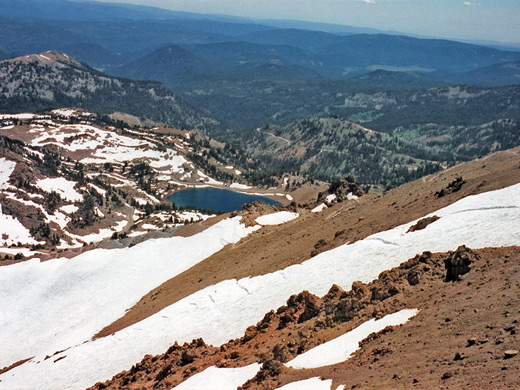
(13, 232)
(240, 186)
(319, 208)
(341, 348)
(17, 116)
(220, 378)
(6, 168)
(65, 112)
(62, 186)
(308, 384)
(14, 251)
(330, 198)
(276, 218)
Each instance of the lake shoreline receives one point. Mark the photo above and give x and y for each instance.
(283, 198)
(220, 199)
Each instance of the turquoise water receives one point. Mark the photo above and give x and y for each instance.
(215, 199)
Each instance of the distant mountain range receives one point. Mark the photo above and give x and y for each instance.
(304, 39)
(110, 35)
(54, 79)
(326, 56)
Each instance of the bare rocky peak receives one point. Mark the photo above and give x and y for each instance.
(51, 57)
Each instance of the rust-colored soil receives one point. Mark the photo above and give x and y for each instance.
(277, 247)
(457, 341)
(482, 309)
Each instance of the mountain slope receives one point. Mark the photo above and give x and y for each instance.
(225, 310)
(171, 65)
(317, 232)
(227, 62)
(330, 148)
(94, 54)
(498, 74)
(234, 53)
(54, 79)
(392, 79)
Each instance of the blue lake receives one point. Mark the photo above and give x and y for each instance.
(215, 199)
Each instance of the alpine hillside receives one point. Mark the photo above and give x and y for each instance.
(54, 80)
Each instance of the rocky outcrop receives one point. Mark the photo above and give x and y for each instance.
(458, 263)
(422, 223)
(454, 186)
(343, 189)
(251, 211)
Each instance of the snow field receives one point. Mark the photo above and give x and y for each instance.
(106, 145)
(217, 313)
(341, 348)
(50, 306)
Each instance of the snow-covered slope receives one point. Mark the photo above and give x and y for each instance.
(67, 158)
(65, 302)
(223, 311)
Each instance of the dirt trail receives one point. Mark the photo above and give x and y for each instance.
(276, 247)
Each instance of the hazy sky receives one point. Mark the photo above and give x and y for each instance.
(491, 20)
